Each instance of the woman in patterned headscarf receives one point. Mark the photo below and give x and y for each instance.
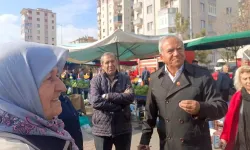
(29, 103)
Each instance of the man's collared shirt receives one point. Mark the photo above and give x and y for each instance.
(177, 75)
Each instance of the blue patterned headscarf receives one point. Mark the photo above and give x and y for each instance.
(23, 67)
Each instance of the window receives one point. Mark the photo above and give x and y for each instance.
(203, 24)
(38, 38)
(52, 27)
(166, 3)
(30, 18)
(212, 9)
(38, 19)
(150, 26)
(110, 13)
(53, 44)
(53, 39)
(171, 3)
(46, 14)
(46, 20)
(110, 21)
(103, 30)
(202, 7)
(38, 25)
(149, 9)
(30, 12)
(46, 26)
(38, 31)
(52, 21)
(37, 13)
(229, 10)
(52, 15)
(209, 27)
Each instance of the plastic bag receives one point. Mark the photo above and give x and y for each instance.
(84, 120)
(69, 91)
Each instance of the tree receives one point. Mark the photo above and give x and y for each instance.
(181, 25)
(243, 19)
(201, 56)
(227, 54)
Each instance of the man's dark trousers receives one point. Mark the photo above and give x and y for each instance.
(121, 142)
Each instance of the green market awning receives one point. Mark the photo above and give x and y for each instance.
(221, 41)
(126, 46)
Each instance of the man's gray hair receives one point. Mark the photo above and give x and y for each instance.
(107, 54)
(164, 38)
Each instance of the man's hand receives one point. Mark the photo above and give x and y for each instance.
(128, 90)
(223, 144)
(143, 147)
(190, 106)
(105, 96)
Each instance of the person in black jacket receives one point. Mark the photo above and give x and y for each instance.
(111, 94)
(70, 118)
(184, 98)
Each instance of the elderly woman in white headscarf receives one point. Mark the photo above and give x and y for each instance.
(29, 91)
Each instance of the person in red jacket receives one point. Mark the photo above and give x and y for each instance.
(236, 133)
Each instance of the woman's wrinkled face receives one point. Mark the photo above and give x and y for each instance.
(49, 93)
(245, 80)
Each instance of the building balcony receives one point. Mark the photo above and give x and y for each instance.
(166, 10)
(98, 17)
(98, 3)
(118, 8)
(117, 1)
(98, 10)
(138, 22)
(118, 19)
(138, 6)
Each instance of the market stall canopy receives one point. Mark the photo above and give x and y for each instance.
(221, 41)
(125, 45)
(243, 52)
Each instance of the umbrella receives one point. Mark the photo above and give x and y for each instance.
(241, 52)
(221, 41)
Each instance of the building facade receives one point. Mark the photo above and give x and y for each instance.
(38, 25)
(156, 17)
(113, 15)
(86, 39)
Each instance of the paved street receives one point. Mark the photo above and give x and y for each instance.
(89, 142)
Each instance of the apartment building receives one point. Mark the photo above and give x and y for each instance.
(114, 14)
(156, 17)
(85, 39)
(38, 25)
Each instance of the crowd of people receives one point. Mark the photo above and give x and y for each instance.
(183, 97)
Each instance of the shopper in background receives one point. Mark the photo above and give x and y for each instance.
(70, 117)
(145, 76)
(224, 83)
(236, 132)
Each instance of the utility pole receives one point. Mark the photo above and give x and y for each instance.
(190, 20)
(61, 33)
